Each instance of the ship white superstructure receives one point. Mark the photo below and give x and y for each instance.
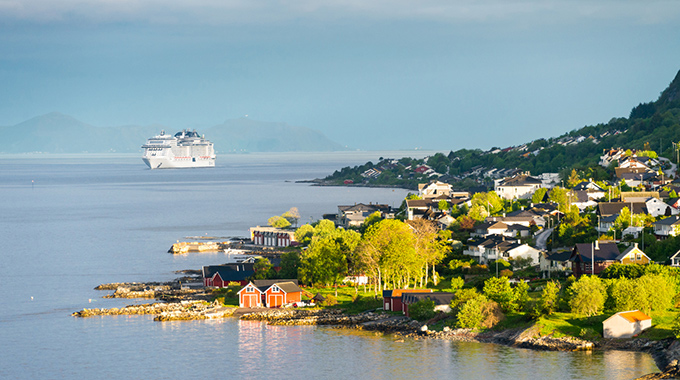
(186, 149)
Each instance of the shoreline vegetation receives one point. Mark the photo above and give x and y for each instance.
(178, 303)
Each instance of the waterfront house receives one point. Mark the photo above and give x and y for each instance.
(272, 237)
(269, 293)
(250, 296)
(392, 298)
(221, 275)
(626, 324)
(604, 254)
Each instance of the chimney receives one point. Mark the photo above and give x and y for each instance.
(597, 245)
(635, 245)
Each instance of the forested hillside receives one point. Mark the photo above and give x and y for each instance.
(653, 126)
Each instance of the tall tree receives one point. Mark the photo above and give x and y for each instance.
(427, 246)
(387, 254)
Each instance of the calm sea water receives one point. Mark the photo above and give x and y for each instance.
(72, 222)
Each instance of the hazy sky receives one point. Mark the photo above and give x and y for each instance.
(369, 74)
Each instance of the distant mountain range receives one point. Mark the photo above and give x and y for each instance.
(59, 133)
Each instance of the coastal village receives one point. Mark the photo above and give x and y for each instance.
(583, 263)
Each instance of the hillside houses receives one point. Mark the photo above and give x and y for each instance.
(495, 247)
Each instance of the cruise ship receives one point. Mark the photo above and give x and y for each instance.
(186, 149)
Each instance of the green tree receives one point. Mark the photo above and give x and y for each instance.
(470, 315)
(292, 215)
(290, 262)
(498, 289)
(490, 201)
(539, 195)
(443, 205)
(387, 254)
(323, 262)
(422, 310)
(278, 222)
(263, 269)
(303, 235)
(550, 297)
(587, 296)
(559, 196)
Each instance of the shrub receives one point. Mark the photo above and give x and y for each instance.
(506, 273)
(422, 310)
(498, 289)
(330, 300)
(462, 296)
(479, 312)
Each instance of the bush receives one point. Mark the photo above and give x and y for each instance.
(422, 310)
(479, 312)
(498, 289)
(330, 300)
(506, 273)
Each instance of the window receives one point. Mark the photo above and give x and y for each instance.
(638, 257)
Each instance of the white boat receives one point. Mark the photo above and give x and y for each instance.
(186, 149)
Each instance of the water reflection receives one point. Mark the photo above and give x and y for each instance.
(328, 353)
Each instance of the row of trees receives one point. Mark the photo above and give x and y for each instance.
(390, 252)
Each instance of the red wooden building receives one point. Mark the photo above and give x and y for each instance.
(392, 298)
(221, 275)
(269, 293)
(272, 237)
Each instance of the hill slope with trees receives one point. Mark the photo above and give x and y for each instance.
(654, 126)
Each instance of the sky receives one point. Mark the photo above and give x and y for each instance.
(371, 74)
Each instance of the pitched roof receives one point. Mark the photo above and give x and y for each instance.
(265, 284)
(671, 220)
(558, 256)
(395, 293)
(603, 252)
(611, 208)
(230, 272)
(287, 286)
(632, 316)
(629, 250)
(588, 185)
(439, 298)
(520, 180)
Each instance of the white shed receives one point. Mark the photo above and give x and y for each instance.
(626, 324)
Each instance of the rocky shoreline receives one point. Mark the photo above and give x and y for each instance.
(180, 304)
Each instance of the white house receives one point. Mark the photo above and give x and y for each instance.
(434, 189)
(667, 227)
(626, 324)
(657, 207)
(520, 186)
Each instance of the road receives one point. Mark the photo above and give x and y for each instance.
(542, 238)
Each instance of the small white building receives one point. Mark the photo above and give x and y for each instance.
(626, 324)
